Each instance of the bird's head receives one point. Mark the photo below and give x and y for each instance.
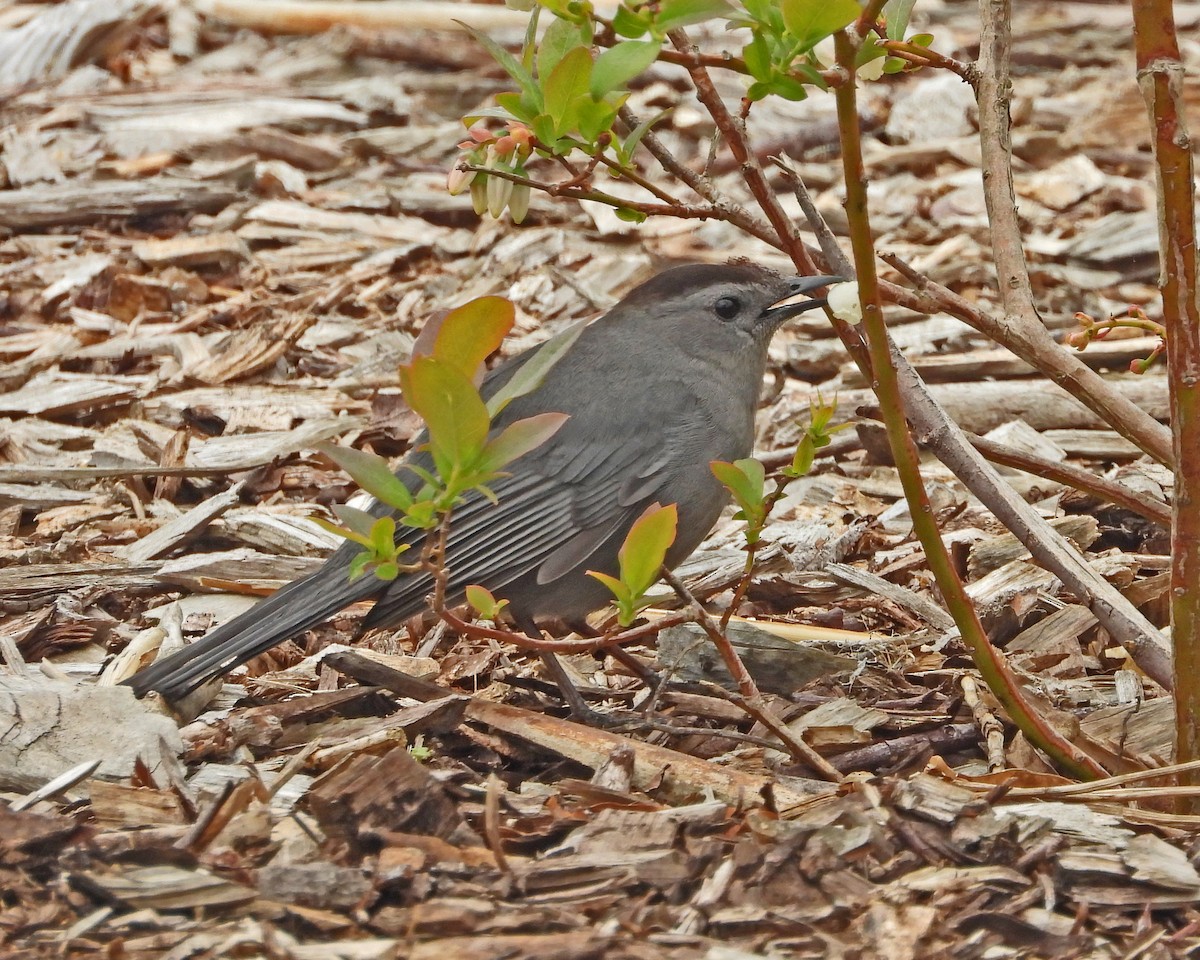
(731, 307)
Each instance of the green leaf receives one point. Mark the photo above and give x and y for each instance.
(673, 14)
(344, 532)
(630, 216)
(560, 37)
(529, 47)
(744, 479)
(512, 66)
(619, 591)
(469, 334)
(761, 10)
(632, 141)
(371, 472)
(757, 54)
(811, 21)
(568, 84)
(628, 23)
(518, 438)
(616, 66)
(359, 564)
(489, 113)
(897, 13)
(453, 412)
(543, 128)
(787, 87)
(353, 519)
(532, 372)
(514, 105)
(593, 119)
(422, 515)
(483, 603)
(641, 555)
(387, 571)
(383, 537)
(807, 73)
(757, 90)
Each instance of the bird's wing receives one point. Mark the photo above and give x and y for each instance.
(552, 512)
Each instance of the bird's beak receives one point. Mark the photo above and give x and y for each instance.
(788, 308)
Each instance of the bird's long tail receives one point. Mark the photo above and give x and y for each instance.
(290, 610)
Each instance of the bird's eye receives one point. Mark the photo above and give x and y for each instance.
(728, 307)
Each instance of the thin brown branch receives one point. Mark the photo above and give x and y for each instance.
(733, 131)
(1075, 477)
(947, 441)
(749, 698)
(1160, 76)
(571, 192)
(924, 57)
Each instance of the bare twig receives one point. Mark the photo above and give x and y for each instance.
(924, 57)
(749, 698)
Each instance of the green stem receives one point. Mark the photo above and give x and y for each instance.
(991, 666)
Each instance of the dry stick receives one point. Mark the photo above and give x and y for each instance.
(991, 728)
(994, 670)
(891, 371)
(1160, 76)
(1120, 617)
(997, 453)
(1023, 330)
(748, 697)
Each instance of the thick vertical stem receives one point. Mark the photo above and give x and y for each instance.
(1160, 76)
(988, 661)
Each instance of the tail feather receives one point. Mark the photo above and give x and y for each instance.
(292, 609)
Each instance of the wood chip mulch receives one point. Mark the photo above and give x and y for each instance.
(216, 244)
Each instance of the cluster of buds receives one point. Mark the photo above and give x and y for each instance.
(1137, 319)
(506, 152)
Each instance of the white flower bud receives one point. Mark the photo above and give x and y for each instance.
(518, 203)
(843, 302)
(498, 192)
(479, 195)
(458, 180)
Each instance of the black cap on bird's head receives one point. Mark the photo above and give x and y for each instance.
(740, 296)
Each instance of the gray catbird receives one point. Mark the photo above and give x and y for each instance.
(665, 382)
